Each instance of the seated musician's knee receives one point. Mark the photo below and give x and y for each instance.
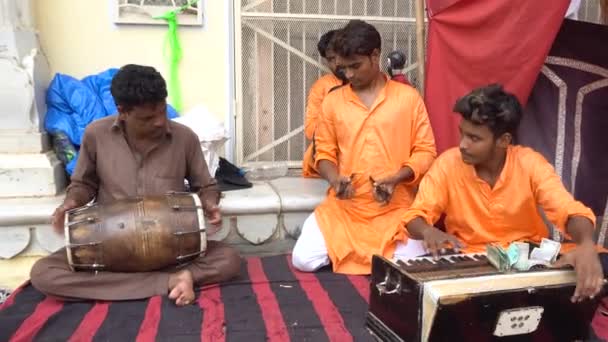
(298, 259)
(304, 261)
(232, 263)
(41, 275)
(310, 253)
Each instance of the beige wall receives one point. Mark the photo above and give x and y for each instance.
(79, 39)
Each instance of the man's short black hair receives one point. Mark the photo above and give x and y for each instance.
(493, 107)
(357, 38)
(136, 85)
(324, 42)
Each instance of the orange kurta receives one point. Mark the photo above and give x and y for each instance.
(478, 214)
(395, 132)
(317, 93)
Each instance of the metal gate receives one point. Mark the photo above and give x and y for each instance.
(277, 62)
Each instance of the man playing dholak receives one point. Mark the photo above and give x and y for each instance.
(317, 93)
(491, 191)
(139, 152)
(373, 142)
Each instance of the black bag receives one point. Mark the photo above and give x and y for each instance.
(229, 177)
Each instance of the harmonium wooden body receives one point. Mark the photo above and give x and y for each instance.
(462, 297)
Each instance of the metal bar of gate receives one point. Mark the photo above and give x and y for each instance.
(275, 143)
(325, 18)
(252, 5)
(286, 46)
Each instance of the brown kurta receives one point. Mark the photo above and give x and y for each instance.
(108, 169)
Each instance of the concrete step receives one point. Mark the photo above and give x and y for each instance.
(263, 220)
(266, 212)
(12, 141)
(31, 175)
(25, 226)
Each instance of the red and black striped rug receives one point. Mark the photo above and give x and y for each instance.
(269, 302)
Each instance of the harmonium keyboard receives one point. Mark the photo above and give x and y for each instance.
(462, 297)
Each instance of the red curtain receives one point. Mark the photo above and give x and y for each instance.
(472, 43)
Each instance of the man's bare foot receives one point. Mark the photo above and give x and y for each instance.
(181, 288)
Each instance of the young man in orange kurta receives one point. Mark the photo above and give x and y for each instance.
(317, 93)
(491, 190)
(373, 142)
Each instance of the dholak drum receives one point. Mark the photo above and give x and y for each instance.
(136, 234)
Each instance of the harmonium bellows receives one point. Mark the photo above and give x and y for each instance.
(463, 297)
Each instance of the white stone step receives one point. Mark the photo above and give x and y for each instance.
(299, 197)
(25, 227)
(268, 215)
(31, 175)
(23, 142)
(28, 211)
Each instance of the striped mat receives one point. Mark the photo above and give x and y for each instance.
(269, 302)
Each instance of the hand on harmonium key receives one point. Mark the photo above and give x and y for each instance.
(436, 241)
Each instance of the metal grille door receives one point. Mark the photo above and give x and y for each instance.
(277, 62)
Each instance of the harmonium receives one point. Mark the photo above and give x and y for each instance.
(462, 297)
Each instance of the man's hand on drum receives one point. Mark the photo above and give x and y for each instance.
(214, 217)
(58, 217)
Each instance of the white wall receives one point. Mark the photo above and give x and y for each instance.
(79, 39)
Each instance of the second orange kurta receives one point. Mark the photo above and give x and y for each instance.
(317, 93)
(363, 142)
(477, 214)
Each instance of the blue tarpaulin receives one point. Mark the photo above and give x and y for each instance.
(73, 104)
